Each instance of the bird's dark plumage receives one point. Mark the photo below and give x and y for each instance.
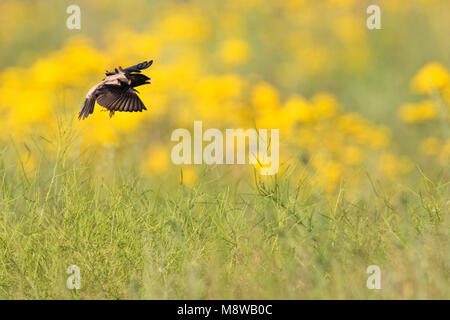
(116, 92)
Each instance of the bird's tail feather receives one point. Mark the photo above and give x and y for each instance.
(139, 66)
(87, 109)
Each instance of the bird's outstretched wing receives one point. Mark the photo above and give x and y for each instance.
(118, 99)
(89, 102)
(87, 109)
(139, 66)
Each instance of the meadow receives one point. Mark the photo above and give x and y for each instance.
(364, 151)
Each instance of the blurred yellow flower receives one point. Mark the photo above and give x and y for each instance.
(125, 121)
(157, 161)
(392, 166)
(430, 77)
(189, 176)
(351, 155)
(217, 88)
(265, 98)
(328, 173)
(348, 28)
(234, 51)
(297, 108)
(325, 105)
(419, 112)
(430, 146)
(98, 132)
(351, 123)
(183, 23)
(313, 57)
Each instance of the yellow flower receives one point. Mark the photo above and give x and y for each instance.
(328, 177)
(184, 24)
(430, 146)
(189, 176)
(351, 123)
(328, 173)
(125, 121)
(265, 97)
(325, 105)
(432, 76)
(352, 155)
(298, 109)
(416, 113)
(392, 166)
(348, 29)
(217, 88)
(312, 57)
(97, 131)
(379, 137)
(157, 161)
(215, 95)
(234, 51)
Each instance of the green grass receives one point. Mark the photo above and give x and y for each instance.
(141, 238)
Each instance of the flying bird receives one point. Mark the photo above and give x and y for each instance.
(116, 92)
